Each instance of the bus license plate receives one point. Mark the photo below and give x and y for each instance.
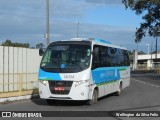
(59, 88)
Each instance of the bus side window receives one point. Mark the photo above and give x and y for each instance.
(126, 58)
(96, 59)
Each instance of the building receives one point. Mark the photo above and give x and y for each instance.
(147, 61)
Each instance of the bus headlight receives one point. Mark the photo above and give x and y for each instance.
(43, 82)
(80, 82)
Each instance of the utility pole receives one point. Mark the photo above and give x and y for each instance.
(156, 50)
(156, 34)
(151, 56)
(47, 36)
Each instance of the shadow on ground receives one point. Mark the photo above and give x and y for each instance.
(37, 100)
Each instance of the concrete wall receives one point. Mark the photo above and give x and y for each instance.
(135, 59)
(18, 69)
(148, 56)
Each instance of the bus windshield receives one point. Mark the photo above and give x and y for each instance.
(66, 58)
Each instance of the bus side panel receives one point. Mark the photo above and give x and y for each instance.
(108, 88)
(106, 79)
(103, 75)
(125, 76)
(115, 86)
(126, 82)
(101, 90)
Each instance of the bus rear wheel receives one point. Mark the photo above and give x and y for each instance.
(120, 90)
(94, 99)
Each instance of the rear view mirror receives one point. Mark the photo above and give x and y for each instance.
(41, 51)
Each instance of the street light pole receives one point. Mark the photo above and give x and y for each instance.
(47, 23)
(77, 29)
(148, 48)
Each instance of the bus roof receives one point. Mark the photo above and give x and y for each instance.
(95, 40)
(89, 39)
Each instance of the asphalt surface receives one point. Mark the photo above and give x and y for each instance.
(142, 95)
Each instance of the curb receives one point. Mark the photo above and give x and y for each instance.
(11, 99)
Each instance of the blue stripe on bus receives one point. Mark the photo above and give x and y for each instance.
(106, 74)
(48, 76)
(102, 41)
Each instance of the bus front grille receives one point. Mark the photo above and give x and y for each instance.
(60, 87)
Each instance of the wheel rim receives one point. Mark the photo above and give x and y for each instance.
(94, 97)
(120, 88)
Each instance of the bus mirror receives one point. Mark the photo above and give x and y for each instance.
(41, 51)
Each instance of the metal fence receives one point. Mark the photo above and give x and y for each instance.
(18, 71)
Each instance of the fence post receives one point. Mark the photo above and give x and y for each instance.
(20, 78)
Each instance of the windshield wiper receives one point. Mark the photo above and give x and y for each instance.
(79, 66)
(52, 61)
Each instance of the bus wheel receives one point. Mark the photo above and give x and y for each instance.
(94, 99)
(120, 90)
(50, 101)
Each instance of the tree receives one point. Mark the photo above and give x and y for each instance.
(141, 53)
(40, 45)
(130, 52)
(151, 9)
(9, 43)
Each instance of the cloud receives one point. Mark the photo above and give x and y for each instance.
(105, 2)
(68, 30)
(67, 8)
(24, 21)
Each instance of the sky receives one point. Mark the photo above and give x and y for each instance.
(25, 21)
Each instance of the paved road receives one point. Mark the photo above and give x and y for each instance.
(142, 95)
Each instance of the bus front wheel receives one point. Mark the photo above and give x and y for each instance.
(94, 98)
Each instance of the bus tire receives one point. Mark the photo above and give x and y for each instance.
(120, 90)
(94, 99)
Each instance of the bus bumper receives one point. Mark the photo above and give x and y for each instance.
(77, 91)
